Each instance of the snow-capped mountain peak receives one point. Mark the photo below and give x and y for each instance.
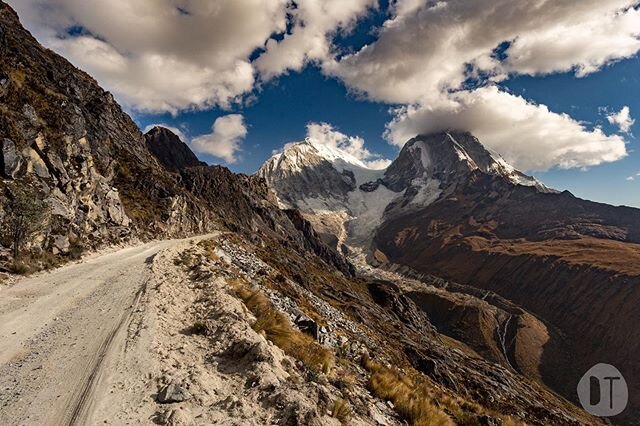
(309, 153)
(334, 154)
(450, 157)
(347, 200)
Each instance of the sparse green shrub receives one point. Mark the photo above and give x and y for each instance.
(47, 260)
(76, 249)
(29, 263)
(21, 268)
(26, 215)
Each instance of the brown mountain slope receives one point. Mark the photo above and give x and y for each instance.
(563, 268)
(571, 262)
(378, 315)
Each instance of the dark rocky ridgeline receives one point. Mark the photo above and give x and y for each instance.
(167, 147)
(242, 204)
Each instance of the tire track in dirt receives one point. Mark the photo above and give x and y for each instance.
(58, 329)
(80, 406)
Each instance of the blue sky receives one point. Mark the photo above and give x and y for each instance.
(614, 87)
(285, 106)
(552, 86)
(280, 113)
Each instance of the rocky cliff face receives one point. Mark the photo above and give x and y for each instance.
(167, 147)
(69, 140)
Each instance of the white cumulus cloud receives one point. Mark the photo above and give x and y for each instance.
(427, 48)
(167, 55)
(225, 138)
(313, 23)
(176, 55)
(622, 119)
(527, 135)
(326, 134)
(427, 52)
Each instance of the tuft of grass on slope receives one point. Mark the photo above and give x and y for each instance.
(210, 247)
(18, 77)
(421, 403)
(411, 398)
(341, 410)
(277, 328)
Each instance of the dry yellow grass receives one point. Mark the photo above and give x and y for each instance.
(412, 398)
(420, 403)
(277, 328)
(343, 378)
(210, 248)
(18, 77)
(510, 421)
(341, 410)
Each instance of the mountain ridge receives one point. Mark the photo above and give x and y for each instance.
(458, 213)
(319, 179)
(167, 147)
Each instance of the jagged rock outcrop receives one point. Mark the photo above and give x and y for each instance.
(10, 161)
(167, 147)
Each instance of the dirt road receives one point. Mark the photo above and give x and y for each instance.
(58, 329)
